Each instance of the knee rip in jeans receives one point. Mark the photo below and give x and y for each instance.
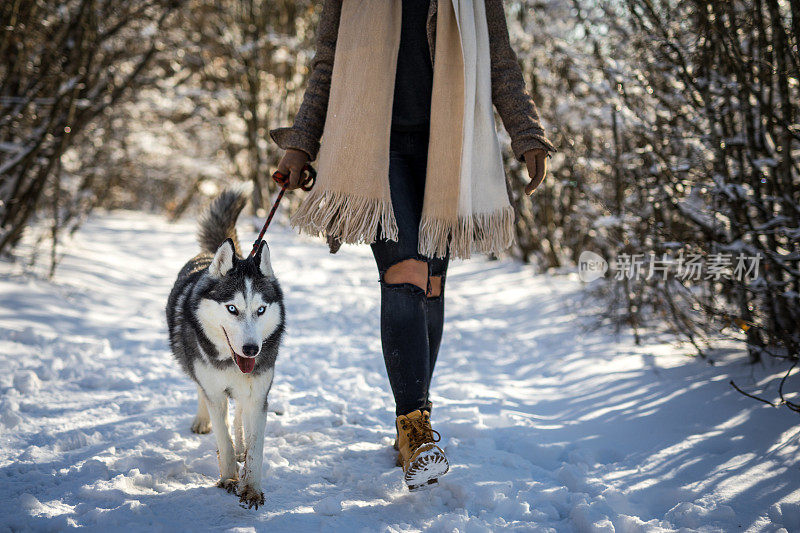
(414, 272)
(436, 285)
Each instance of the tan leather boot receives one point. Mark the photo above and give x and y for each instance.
(422, 460)
(428, 407)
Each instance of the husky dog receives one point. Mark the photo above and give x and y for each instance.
(226, 317)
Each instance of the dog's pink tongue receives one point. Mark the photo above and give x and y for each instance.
(245, 364)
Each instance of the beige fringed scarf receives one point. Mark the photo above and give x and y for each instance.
(465, 201)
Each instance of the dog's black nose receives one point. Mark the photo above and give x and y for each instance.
(250, 350)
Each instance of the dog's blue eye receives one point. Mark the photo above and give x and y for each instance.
(232, 309)
(261, 310)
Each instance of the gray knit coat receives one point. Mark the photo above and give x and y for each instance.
(514, 105)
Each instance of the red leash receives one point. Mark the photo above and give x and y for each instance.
(283, 180)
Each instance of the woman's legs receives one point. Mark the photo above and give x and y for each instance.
(412, 311)
(412, 314)
(404, 337)
(407, 316)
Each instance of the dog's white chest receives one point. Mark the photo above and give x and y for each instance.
(239, 386)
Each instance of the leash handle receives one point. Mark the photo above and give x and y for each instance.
(307, 184)
(283, 180)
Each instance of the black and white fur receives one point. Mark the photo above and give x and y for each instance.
(221, 308)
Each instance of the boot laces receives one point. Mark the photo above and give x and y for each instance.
(419, 431)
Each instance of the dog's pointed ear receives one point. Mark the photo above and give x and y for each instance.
(263, 261)
(223, 259)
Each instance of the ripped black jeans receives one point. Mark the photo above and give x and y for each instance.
(411, 322)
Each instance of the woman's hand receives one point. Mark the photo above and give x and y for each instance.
(292, 163)
(536, 161)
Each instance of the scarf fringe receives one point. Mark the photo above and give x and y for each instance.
(349, 218)
(483, 232)
(355, 219)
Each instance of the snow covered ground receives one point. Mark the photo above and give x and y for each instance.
(549, 426)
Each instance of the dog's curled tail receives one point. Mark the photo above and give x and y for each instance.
(218, 222)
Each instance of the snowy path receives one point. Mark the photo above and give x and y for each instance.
(550, 427)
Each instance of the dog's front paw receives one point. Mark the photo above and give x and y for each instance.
(250, 497)
(228, 484)
(201, 427)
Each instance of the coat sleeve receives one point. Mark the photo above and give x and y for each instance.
(513, 103)
(306, 132)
